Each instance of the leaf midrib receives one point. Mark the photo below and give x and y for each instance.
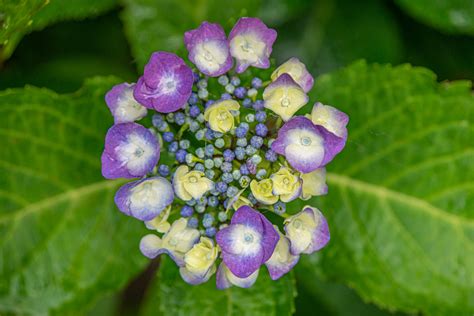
(385, 193)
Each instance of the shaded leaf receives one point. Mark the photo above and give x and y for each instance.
(401, 202)
(170, 295)
(63, 242)
(18, 18)
(453, 16)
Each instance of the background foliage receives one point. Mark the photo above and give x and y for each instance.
(400, 205)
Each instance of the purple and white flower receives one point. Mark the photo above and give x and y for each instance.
(330, 118)
(225, 278)
(179, 239)
(145, 199)
(251, 43)
(307, 231)
(131, 151)
(297, 70)
(282, 260)
(166, 83)
(123, 105)
(248, 242)
(306, 146)
(208, 49)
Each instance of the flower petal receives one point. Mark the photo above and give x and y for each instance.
(208, 49)
(297, 70)
(225, 278)
(123, 105)
(166, 84)
(251, 43)
(281, 261)
(330, 118)
(130, 151)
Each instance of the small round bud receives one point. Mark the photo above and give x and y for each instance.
(187, 211)
(200, 152)
(223, 80)
(202, 84)
(199, 167)
(244, 181)
(261, 174)
(164, 170)
(209, 163)
(250, 118)
(211, 232)
(222, 216)
(184, 144)
(252, 92)
(219, 143)
(181, 155)
(193, 222)
(173, 147)
(229, 88)
(257, 83)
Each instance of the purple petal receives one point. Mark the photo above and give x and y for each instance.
(321, 235)
(281, 263)
(130, 151)
(195, 279)
(123, 105)
(297, 70)
(208, 49)
(166, 84)
(247, 216)
(145, 199)
(251, 43)
(331, 119)
(306, 146)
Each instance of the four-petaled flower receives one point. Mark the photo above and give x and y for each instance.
(219, 115)
(248, 242)
(122, 104)
(190, 184)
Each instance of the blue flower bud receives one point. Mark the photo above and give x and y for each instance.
(240, 132)
(222, 216)
(271, 156)
(168, 137)
(209, 163)
(200, 118)
(218, 162)
(193, 222)
(240, 92)
(219, 143)
(250, 150)
(212, 201)
(187, 211)
(244, 169)
(199, 167)
(247, 103)
(194, 126)
(240, 153)
(181, 155)
(256, 141)
(226, 96)
(241, 142)
(200, 208)
(200, 152)
(189, 158)
(232, 191)
(202, 84)
(157, 120)
(221, 187)
(261, 116)
(236, 174)
(163, 127)
(229, 155)
(207, 220)
(226, 167)
(235, 81)
(209, 134)
(250, 118)
(179, 118)
(203, 94)
(252, 199)
(257, 83)
(210, 174)
(227, 177)
(258, 105)
(229, 88)
(261, 130)
(193, 99)
(200, 134)
(211, 232)
(173, 147)
(256, 159)
(164, 170)
(184, 144)
(223, 80)
(209, 103)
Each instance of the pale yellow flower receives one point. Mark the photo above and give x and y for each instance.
(160, 223)
(297, 70)
(314, 183)
(219, 115)
(189, 185)
(263, 191)
(286, 185)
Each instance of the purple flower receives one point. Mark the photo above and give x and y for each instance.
(123, 106)
(208, 49)
(145, 199)
(166, 83)
(297, 70)
(131, 151)
(248, 242)
(306, 146)
(251, 43)
(307, 231)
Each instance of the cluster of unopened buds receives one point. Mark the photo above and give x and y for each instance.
(226, 147)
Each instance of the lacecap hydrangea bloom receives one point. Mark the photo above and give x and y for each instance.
(230, 141)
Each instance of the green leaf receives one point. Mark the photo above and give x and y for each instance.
(18, 18)
(323, 39)
(401, 204)
(170, 295)
(153, 25)
(64, 244)
(452, 16)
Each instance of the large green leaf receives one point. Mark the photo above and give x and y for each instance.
(63, 244)
(453, 16)
(19, 17)
(170, 295)
(401, 203)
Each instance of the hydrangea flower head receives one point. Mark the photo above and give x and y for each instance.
(225, 148)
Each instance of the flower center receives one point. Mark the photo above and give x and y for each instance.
(192, 179)
(248, 238)
(223, 115)
(286, 180)
(173, 242)
(246, 47)
(305, 141)
(138, 152)
(208, 56)
(297, 224)
(285, 102)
